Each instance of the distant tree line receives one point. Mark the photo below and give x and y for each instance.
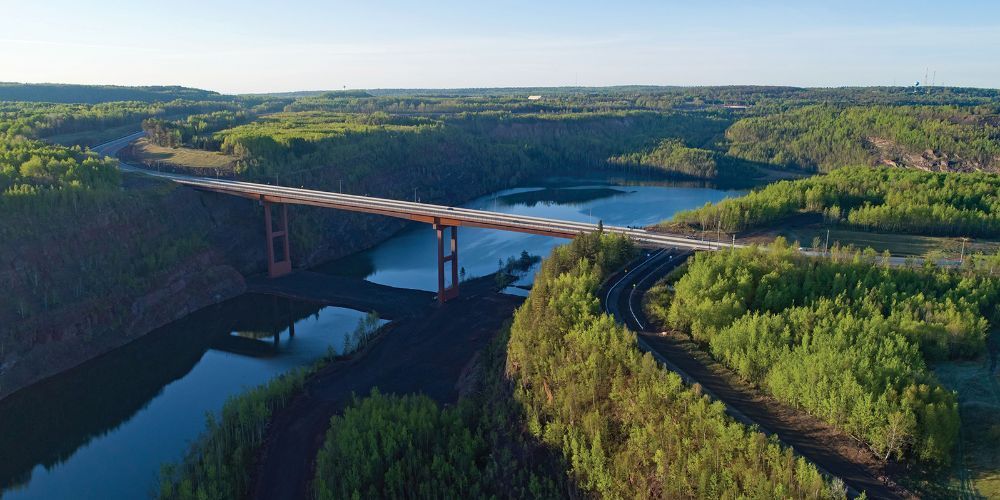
(42, 120)
(93, 94)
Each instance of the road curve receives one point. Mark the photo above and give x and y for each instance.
(623, 298)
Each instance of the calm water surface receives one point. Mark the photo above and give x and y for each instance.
(408, 260)
(102, 430)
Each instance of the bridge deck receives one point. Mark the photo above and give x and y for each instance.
(429, 213)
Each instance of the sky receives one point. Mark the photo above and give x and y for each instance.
(269, 46)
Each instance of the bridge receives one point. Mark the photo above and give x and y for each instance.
(444, 219)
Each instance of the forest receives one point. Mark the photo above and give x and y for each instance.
(93, 94)
(627, 427)
(673, 157)
(30, 167)
(384, 445)
(44, 120)
(846, 338)
(290, 145)
(824, 137)
(882, 199)
(732, 100)
(564, 404)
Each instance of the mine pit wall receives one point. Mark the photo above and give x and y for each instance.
(74, 331)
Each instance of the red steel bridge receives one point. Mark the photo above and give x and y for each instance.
(444, 219)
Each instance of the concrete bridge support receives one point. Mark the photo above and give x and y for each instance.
(279, 258)
(446, 293)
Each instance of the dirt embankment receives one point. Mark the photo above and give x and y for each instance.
(181, 160)
(429, 352)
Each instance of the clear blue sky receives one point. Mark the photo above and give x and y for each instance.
(257, 46)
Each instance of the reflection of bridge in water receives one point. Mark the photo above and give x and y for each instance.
(252, 346)
(262, 342)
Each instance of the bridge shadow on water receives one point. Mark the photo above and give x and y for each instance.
(46, 423)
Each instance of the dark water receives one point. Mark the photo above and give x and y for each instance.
(102, 430)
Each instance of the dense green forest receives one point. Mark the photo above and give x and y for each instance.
(45, 120)
(30, 167)
(879, 199)
(847, 338)
(383, 446)
(822, 138)
(627, 427)
(672, 156)
(36, 174)
(194, 131)
(510, 146)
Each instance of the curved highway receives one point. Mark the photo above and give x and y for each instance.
(623, 300)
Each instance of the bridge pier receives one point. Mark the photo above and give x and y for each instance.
(446, 293)
(277, 266)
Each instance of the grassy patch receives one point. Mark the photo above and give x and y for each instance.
(151, 154)
(897, 244)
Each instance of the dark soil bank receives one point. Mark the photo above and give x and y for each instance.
(425, 353)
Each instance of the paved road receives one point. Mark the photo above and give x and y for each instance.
(422, 212)
(111, 148)
(623, 300)
(430, 213)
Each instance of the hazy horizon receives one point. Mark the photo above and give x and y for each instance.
(524, 87)
(268, 47)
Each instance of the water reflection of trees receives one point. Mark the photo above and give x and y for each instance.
(47, 422)
(557, 196)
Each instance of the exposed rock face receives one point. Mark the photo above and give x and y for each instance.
(73, 330)
(40, 343)
(887, 152)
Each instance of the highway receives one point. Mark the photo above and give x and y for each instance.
(439, 214)
(623, 300)
(421, 212)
